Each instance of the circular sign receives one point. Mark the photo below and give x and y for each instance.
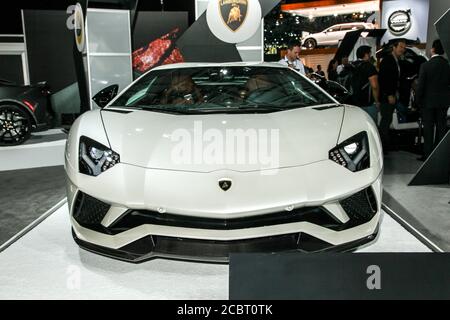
(79, 27)
(233, 21)
(399, 22)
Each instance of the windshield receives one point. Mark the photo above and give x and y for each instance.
(222, 89)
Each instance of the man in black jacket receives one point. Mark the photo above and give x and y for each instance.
(433, 94)
(365, 88)
(389, 80)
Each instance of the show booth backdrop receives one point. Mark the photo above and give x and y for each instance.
(49, 48)
(154, 39)
(437, 11)
(55, 57)
(50, 55)
(13, 62)
(157, 38)
(217, 37)
(442, 27)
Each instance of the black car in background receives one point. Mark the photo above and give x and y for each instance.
(23, 109)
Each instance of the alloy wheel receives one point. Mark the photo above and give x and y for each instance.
(15, 125)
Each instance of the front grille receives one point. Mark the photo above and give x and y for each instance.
(88, 211)
(360, 207)
(216, 249)
(135, 218)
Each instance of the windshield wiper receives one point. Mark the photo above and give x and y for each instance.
(239, 108)
(161, 109)
(262, 107)
(328, 106)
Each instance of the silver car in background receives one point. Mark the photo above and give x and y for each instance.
(332, 35)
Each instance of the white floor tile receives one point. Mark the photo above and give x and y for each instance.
(47, 264)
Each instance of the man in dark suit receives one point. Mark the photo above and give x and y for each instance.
(389, 80)
(433, 94)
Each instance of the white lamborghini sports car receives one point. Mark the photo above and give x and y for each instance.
(197, 161)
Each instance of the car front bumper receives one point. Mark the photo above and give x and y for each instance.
(135, 214)
(151, 247)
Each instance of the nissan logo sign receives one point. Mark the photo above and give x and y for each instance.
(399, 22)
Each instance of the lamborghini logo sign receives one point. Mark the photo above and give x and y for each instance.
(233, 21)
(79, 27)
(233, 13)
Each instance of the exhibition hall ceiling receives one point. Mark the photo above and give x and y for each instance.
(327, 8)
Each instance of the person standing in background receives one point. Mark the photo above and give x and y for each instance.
(344, 64)
(344, 73)
(365, 89)
(389, 80)
(332, 70)
(320, 71)
(291, 59)
(433, 94)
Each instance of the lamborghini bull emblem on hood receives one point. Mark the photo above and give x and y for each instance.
(233, 13)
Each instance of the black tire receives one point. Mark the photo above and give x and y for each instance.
(310, 43)
(15, 125)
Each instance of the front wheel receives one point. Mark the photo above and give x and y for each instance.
(15, 125)
(310, 43)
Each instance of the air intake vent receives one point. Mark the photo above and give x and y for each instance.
(361, 206)
(89, 211)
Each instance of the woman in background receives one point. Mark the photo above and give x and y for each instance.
(332, 70)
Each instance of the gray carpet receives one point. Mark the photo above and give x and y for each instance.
(27, 194)
(54, 135)
(426, 208)
(48, 138)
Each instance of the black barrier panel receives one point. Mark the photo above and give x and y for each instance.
(49, 48)
(338, 276)
(443, 31)
(436, 169)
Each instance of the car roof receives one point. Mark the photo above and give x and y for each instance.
(228, 64)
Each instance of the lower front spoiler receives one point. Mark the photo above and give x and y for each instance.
(151, 247)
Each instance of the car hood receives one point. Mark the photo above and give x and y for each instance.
(211, 142)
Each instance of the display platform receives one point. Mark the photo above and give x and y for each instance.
(426, 208)
(47, 264)
(22, 202)
(43, 149)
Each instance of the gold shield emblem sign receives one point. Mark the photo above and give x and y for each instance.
(79, 27)
(233, 13)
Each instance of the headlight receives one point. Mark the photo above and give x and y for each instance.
(95, 158)
(353, 153)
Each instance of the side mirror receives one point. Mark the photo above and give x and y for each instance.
(337, 91)
(103, 97)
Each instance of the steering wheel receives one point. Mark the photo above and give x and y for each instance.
(266, 95)
(223, 97)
